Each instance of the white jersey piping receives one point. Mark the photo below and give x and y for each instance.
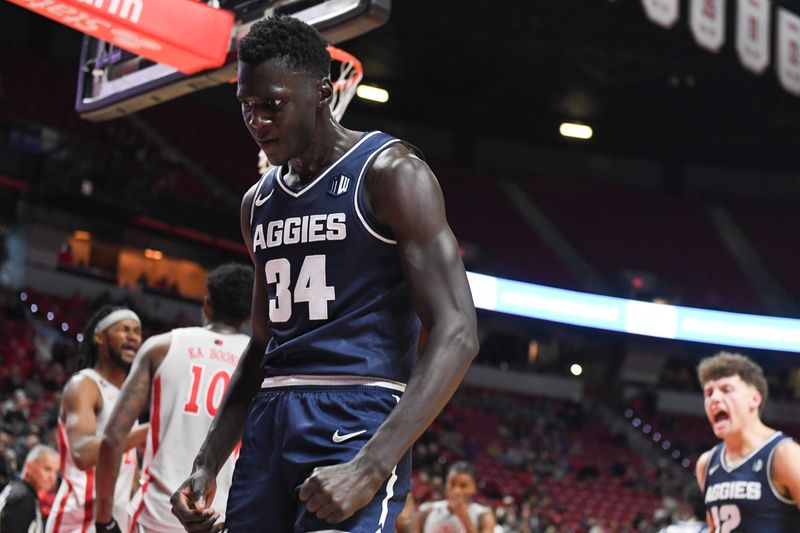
(708, 467)
(287, 190)
(367, 164)
(772, 486)
(255, 197)
(304, 380)
(750, 455)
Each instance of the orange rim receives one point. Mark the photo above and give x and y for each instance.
(340, 55)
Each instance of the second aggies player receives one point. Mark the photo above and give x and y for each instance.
(751, 480)
(183, 374)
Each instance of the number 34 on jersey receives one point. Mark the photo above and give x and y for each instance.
(310, 287)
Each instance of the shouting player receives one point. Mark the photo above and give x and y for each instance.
(751, 480)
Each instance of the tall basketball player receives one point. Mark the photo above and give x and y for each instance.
(458, 513)
(183, 374)
(350, 242)
(110, 341)
(751, 480)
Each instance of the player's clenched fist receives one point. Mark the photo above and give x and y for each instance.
(190, 503)
(335, 493)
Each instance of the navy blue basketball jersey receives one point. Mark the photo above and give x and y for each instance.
(338, 300)
(743, 498)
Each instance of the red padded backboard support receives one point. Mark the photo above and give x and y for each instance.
(184, 34)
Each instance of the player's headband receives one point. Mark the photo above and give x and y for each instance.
(114, 317)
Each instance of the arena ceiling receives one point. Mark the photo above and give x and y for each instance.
(517, 68)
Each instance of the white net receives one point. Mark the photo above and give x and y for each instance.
(344, 87)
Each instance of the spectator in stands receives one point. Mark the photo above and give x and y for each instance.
(24, 446)
(15, 414)
(507, 516)
(8, 459)
(19, 503)
(694, 522)
(65, 255)
(458, 513)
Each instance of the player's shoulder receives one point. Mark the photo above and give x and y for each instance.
(250, 194)
(156, 344)
(705, 457)
(251, 199)
(702, 466)
(80, 381)
(480, 508)
(787, 452)
(785, 476)
(399, 173)
(429, 506)
(80, 388)
(398, 159)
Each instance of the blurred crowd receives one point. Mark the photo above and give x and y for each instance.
(547, 466)
(543, 465)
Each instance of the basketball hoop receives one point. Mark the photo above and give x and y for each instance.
(345, 82)
(344, 86)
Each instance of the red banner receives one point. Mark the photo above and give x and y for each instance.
(184, 34)
(752, 34)
(788, 54)
(707, 20)
(662, 12)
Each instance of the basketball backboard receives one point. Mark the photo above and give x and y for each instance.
(113, 82)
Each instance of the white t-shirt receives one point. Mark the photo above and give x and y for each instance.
(441, 520)
(686, 526)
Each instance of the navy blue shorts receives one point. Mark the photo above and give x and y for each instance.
(292, 430)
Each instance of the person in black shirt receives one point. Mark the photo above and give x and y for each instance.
(19, 504)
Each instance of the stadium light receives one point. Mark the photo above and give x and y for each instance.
(576, 369)
(153, 254)
(575, 131)
(373, 94)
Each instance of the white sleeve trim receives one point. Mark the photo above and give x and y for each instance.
(772, 486)
(361, 175)
(255, 197)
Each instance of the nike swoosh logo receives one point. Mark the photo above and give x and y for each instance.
(260, 201)
(341, 438)
(712, 469)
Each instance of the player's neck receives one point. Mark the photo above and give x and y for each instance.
(220, 327)
(328, 144)
(111, 372)
(740, 444)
